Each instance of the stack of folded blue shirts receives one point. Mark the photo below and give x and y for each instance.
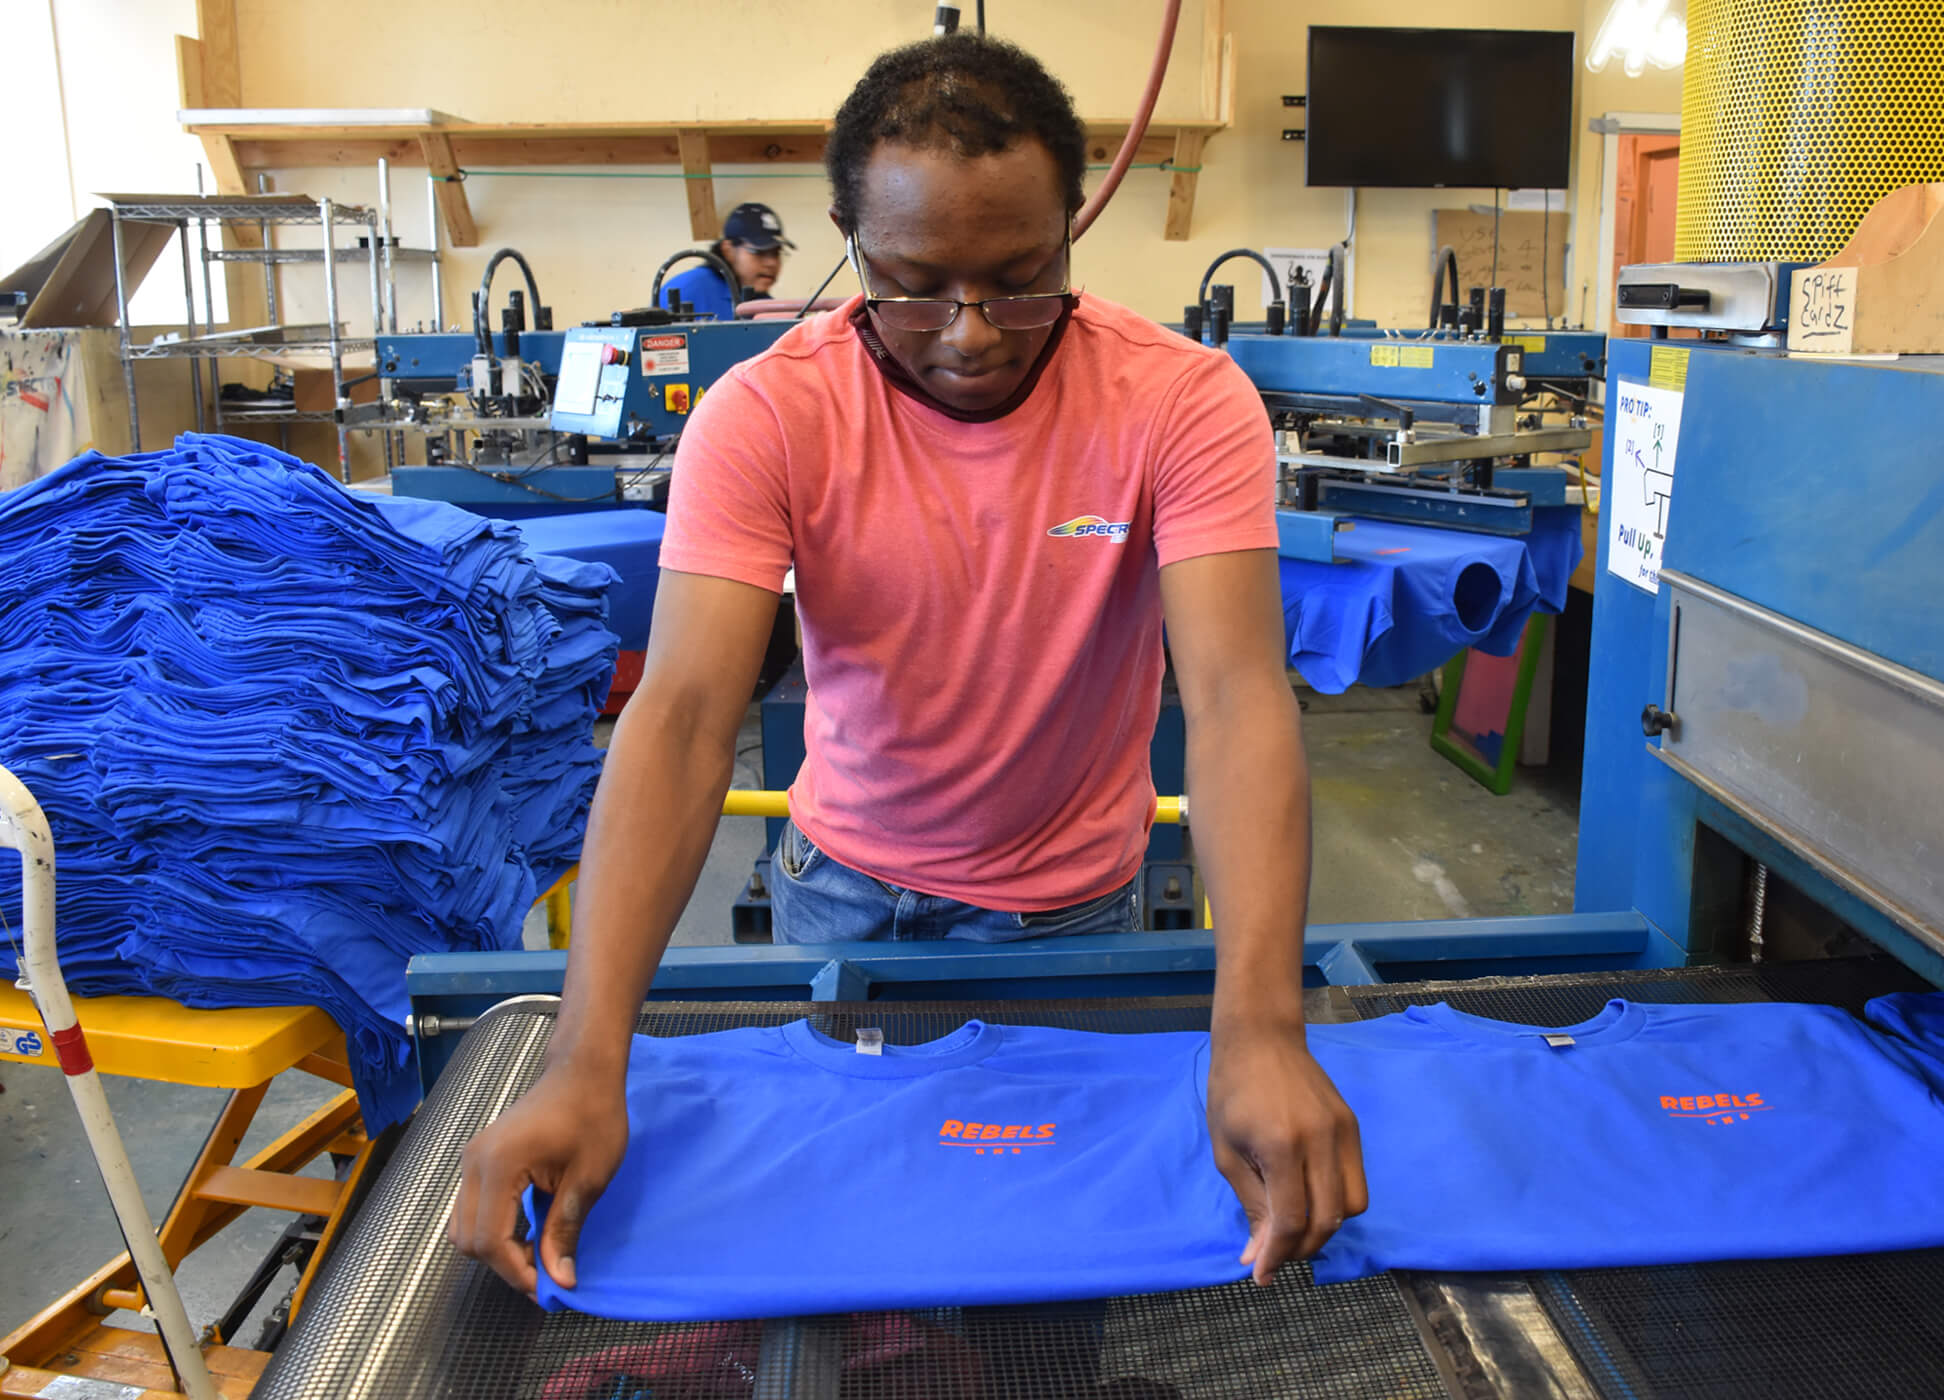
(287, 736)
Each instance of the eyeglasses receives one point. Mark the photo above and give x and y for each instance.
(1013, 313)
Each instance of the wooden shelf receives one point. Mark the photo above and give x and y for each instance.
(450, 147)
(211, 87)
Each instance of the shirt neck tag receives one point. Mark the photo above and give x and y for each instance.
(870, 1040)
(1559, 1042)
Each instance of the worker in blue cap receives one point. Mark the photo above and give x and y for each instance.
(752, 243)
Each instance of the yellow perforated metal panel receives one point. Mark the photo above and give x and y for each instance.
(1796, 115)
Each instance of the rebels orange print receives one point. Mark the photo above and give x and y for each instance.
(1718, 1109)
(955, 1132)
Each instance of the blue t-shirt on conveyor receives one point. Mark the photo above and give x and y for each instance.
(1660, 1134)
(776, 1171)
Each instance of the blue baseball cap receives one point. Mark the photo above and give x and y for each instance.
(756, 227)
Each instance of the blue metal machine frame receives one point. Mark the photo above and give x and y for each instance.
(1552, 355)
(1548, 354)
(462, 985)
(661, 373)
(436, 362)
(1428, 373)
(1404, 378)
(686, 356)
(1809, 489)
(657, 376)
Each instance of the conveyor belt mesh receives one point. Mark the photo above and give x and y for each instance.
(1865, 1326)
(395, 1312)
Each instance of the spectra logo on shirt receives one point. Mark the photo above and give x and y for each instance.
(1718, 1109)
(1092, 525)
(998, 1137)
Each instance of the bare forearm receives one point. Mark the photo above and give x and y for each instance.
(1282, 1135)
(653, 819)
(1250, 809)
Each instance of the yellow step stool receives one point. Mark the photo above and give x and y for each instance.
(150, 1038)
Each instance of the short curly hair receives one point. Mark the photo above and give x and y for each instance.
(965, 93)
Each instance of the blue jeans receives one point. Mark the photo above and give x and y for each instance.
(814, 899)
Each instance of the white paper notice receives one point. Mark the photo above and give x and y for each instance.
(664, 354)
(580, 373)
(1646, 425)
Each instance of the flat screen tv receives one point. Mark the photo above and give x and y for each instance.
(1422, 108)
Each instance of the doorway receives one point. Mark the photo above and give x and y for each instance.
(1639, 190)
(1646, 190)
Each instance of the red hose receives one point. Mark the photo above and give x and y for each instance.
(1162, 49)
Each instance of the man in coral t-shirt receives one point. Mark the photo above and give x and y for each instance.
(994, 491)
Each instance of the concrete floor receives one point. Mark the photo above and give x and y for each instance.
(1399, 834)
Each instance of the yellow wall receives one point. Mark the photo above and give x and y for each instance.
(595, 242)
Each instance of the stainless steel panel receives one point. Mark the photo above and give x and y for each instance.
(1437, 449)
(1462, 447)
(1493, 1338)
(1741, 296)
(1828, 748)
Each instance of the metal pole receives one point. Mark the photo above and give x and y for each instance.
(127, 344)
(385, 228)
(269, 264)
(23, 827)
(209, 309)
(189, 320)
(432, 243)
(329, 216)
(394, 442)
(377, 292)
(270, 275)
(381, 299)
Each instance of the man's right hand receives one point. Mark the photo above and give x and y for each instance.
(566, 1136)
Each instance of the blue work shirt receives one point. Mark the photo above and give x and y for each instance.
(703, 288)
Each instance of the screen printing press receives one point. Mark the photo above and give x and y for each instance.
(1765, 750)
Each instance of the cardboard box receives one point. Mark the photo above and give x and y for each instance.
(313, 388)
(71, 282)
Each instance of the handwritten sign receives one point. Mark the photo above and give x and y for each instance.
(1531, 256)
(1822, 310)
(1646, 425)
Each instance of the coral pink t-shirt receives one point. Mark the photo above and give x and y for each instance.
(980, 602)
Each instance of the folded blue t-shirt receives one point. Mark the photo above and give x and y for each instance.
(287, 735)
(1650, 1134)
(775, 1171)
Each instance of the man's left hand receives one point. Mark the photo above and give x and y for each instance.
(1285, 1140)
